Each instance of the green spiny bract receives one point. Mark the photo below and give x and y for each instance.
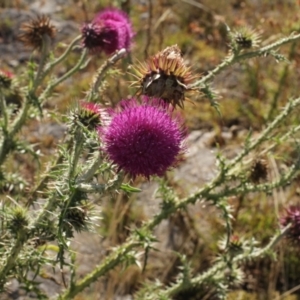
(17, 220)
(244, 38)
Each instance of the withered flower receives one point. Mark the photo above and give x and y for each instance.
(164, 76)
(76, 217)
(259, 171)
(34, 31)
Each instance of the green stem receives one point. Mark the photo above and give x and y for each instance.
(281, 84)
(48, 173)
(102, 71)
(7, 142)
(109, 263)
(243, 189)
(11, 259)
(44, 55)
(203, 193)
(233, 58)
(91, 170)
(292, 104)
(72, 71)
(51, 65)
(292, 131)
(220, 267)
(50, 87)
(77, 148)
(3, 111)
(101, 188)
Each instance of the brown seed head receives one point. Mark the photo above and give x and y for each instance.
(259, 171)
(34, 31)
(165, 76)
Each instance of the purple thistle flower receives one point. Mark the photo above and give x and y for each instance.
(144, 139)
(109, 31)
(292, 217)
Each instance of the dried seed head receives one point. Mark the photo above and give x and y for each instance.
(164, 76)
(259, 171)
(34, 31)
(244, 38)
(76, 218)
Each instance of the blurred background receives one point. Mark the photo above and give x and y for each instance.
(250, 94)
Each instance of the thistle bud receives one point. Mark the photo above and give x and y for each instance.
(5, 79)
(233, 247)
(18, 220)
(90, 114)
(244, 38)
(77, 218)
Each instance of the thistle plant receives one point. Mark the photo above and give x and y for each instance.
(143, 138)
(109, 148)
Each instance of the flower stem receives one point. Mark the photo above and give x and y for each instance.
(7, 141)
(102, 71)
(22, 238)
(51, 65)
(11, 259)
(233, 58)
(51, 86)
(109, 263)
(221, 266)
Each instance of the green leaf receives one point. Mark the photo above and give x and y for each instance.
(129, 189)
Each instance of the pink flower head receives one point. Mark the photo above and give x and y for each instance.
(90, 107)
(292, 217)
(144, 138)
(109, 31)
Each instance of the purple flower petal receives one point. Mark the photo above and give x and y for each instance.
(109, 31)
(144, 139)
